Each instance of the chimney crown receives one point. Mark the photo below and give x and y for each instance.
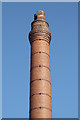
(40, 15)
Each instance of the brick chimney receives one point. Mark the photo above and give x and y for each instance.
(40, 83)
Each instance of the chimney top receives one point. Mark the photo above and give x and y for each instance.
(40, 15)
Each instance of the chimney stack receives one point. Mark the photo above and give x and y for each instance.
(40, 83)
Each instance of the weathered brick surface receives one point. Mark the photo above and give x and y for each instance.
(41, 113)
(40, 86)
(40, 83)
(38, 46)
(40, 59)
(41, 72)
(42, 100)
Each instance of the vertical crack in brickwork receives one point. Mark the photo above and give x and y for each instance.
(40, 83)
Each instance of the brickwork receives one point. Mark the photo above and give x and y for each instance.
(40, 84)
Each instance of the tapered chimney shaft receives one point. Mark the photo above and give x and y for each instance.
(40, 83)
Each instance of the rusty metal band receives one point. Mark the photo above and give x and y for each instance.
(40, 108)
(40, 52)
(40, 66)
(40, 80)
(41, 94)
(40, 34)
(39, 39)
